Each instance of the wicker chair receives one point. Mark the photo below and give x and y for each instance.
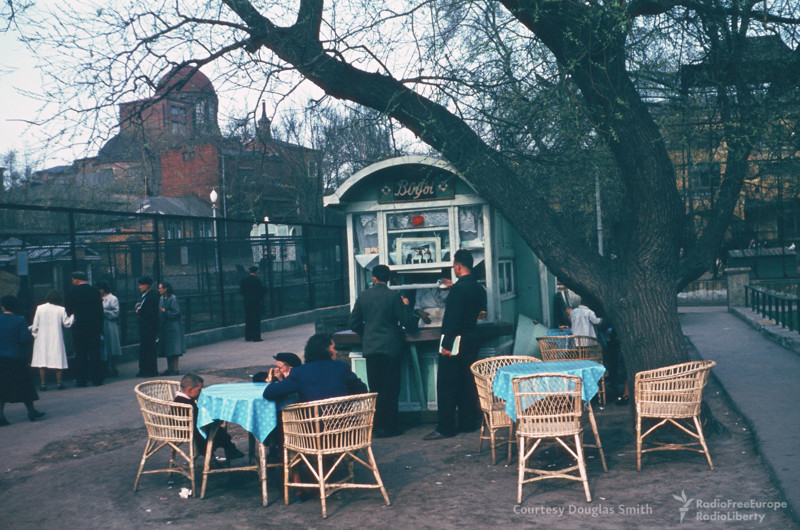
(671, 394)
(169, 425)
(494, 408)
(574, 348)
(337, 427)
(549, 407)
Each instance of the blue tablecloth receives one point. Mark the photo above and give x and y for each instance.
(240, 403)
(590, 373)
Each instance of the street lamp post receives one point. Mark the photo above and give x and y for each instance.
(214, 197)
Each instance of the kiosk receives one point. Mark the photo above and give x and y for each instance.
(412, 213)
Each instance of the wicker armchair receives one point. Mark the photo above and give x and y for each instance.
(549, 407)
(339, 427)
(494, 408)
(574, 348)
(169, 425)
(671, 394)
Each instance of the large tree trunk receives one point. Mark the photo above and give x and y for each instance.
(645, 316)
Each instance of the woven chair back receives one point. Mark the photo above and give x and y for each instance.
(484, 372)
(673, 391)
(570, 348)
(548, 404)
(164, 419)
(329, 426)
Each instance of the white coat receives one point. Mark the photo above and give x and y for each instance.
(48, 332)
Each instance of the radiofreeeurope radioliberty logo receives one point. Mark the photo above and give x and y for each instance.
(686, 502)
(726, 510)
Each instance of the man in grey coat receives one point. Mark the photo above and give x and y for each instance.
(379, 315)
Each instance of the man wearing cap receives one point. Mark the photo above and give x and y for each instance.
(284, 362)
(252, 292)
(455, 386)
(379, 316)
(147, 310)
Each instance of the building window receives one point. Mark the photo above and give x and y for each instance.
(188, 156)
(505, 278)
(178, 129)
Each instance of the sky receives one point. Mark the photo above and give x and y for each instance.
(17, 72)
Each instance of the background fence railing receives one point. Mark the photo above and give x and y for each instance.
(782, 308)
(301, 265)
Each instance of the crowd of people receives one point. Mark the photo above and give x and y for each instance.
(91, 314)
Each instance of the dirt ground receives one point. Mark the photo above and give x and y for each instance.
(86, 481)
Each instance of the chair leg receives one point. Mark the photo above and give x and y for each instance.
(207, 461)
(602, 391)
(483, 430)
(493, 440)
(510, 438)
(702, 438)
(375, 472)
(285, 476)
(597, 437)
(321, 479)
(520, 467)
(638, 442)
(147, 448)
(582, 467)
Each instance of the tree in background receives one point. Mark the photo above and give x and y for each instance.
(535, 102)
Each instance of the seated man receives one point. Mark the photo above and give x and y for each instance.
(284, 362)
(320, 378)
(191, 385)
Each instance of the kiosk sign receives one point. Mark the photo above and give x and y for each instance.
(418, 189)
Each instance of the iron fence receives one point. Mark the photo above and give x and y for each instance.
(301, 265)
(782, 308)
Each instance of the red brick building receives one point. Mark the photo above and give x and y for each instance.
(169, 145)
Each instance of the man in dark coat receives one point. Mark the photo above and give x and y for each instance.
(455, 386)
(320, 378)
(253, 294)
(147, 309)
(84, 301)
(379, 316)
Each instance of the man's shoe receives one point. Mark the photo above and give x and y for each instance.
(35, 415)
(4, 422)
(257, 340)
(436, 435)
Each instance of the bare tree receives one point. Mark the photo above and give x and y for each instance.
(469, 79)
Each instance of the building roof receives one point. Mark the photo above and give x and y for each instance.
(175, 206)
(185, 79)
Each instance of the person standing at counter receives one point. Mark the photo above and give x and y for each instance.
(379, 316)
(455, 386)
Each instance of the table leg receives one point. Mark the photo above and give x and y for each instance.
(417, 374)
(262, 472)
(209, 453)
(596, 436)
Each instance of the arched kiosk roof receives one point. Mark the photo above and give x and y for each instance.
(405, 166)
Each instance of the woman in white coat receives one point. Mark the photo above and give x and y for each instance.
(48, 332)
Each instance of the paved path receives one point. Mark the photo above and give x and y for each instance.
(762, 378)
